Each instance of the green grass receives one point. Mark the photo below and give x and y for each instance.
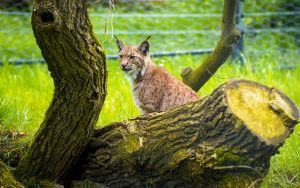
(26, 91)
(24, 95)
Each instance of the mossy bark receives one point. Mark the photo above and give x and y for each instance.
(230, 34)
(202, 144)
(7, 180)
(77, 64)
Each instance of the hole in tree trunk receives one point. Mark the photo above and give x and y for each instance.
(47, 17)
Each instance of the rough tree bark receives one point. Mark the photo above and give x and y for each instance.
(226, 139)
(230, 34)
(77, 64)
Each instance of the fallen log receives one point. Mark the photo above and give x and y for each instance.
(225, 139)
(7, 180)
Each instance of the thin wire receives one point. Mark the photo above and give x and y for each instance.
(113, 10)
(170, 15)
(15, 13)
(283, 13)
(204, 15)
(158, 32)
(222, 78)
(172, 32)
(274, 30)
(97, 1)
(214, 32)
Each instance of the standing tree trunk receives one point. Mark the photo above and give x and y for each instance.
(77, 64)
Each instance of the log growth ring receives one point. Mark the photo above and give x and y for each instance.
(266, 112)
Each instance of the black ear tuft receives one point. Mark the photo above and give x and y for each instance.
(148, 37)
(119, 43)
(144, 47)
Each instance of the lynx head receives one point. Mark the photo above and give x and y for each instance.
(133, 59)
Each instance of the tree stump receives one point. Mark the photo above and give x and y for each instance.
(225, 139)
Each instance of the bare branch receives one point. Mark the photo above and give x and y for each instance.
(230, 34)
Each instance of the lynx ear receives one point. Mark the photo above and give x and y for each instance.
(119, 43)
(145, 46)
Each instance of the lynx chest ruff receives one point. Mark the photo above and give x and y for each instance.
(156, 90)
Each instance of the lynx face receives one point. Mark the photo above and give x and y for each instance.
(133, 59)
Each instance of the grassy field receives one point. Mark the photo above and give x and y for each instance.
(26, 91)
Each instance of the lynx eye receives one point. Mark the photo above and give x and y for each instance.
(132, 57)
(121, 56)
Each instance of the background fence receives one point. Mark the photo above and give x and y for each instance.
(270, 28)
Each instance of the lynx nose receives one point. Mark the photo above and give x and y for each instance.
(123, 66)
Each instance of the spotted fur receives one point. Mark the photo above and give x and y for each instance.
(154, 89)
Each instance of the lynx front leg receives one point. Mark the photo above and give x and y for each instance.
(149, 108)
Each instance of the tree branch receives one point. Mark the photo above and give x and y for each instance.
(230, 34)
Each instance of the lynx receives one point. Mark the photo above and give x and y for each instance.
(154, 89)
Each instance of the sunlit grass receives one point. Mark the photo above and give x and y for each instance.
(26, 91)
(285, 166)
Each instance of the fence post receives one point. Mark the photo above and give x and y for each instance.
(239, 48)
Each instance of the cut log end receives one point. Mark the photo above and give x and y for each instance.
(266, 112)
